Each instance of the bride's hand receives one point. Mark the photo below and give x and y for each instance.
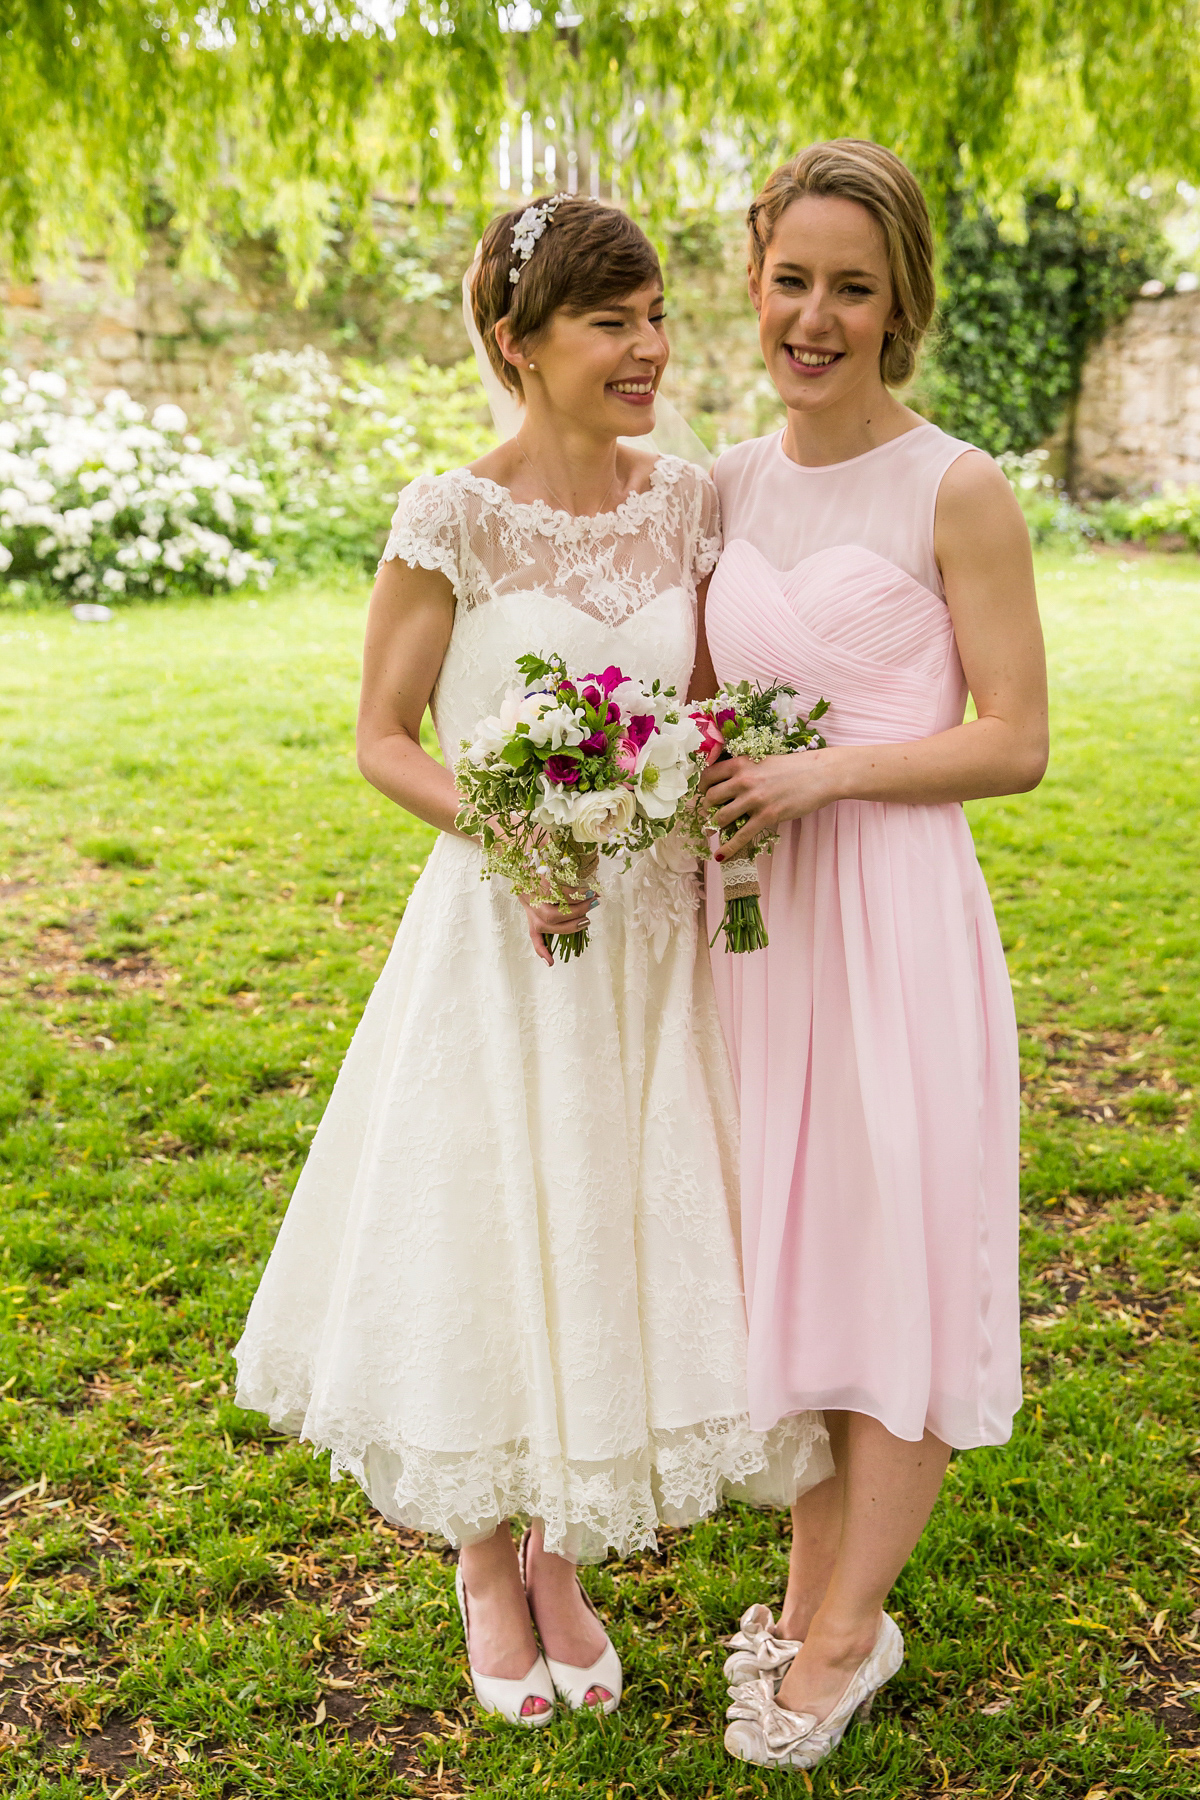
(546, 917)
(768, 793)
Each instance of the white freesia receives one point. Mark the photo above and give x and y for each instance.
(634, 699)
(556, 726)
(683, 732)
(787, 709)
(491, 735)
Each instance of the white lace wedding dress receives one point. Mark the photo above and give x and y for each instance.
(508, 1282)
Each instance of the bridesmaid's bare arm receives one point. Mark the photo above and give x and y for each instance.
(982, 547)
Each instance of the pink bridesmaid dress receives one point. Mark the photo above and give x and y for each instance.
(873, 1040)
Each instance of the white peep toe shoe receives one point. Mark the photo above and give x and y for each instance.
(758, 1650)
(573, 1684)
(496, 1695)
(761, 1731)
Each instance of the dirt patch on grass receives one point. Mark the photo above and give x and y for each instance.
(1165, 1682)
(1106, 1077)
(53, 1704)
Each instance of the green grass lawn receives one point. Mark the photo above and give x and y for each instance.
(198, 891)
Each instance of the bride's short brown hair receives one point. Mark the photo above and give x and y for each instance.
(856, 169)
(590, 255)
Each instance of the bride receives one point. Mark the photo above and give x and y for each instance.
(508, 1285)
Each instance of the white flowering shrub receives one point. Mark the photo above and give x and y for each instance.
(96, 501)
(335, 445)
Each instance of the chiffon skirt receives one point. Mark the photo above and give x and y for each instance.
(875, 1050)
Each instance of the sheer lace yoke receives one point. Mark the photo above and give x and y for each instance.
(608, 565)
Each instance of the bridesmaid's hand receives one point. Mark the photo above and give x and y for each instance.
(768, 793)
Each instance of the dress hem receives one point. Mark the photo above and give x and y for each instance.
(589, 1509)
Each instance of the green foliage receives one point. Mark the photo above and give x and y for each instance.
(1018, 316)
(1167, 520)
(186, 1584)
(253, 114)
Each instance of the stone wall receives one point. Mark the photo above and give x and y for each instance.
(175, 338)
(1136, 423)
(1137, 420)
(178, 339)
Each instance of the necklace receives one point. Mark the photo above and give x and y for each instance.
(612, 484)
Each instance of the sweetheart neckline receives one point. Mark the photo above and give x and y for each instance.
(860, 550)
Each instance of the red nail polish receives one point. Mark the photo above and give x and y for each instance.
(719, 857)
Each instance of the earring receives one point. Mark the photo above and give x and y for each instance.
(533, 365)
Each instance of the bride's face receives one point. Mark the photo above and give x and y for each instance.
(602, 368)
(824, 302)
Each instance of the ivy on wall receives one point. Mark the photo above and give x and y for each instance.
(1018, 318)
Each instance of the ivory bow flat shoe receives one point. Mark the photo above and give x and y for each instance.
(758, 1649)
(496, 1695)
(761, 1731)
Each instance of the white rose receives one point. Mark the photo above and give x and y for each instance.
(518, 708)
(603, 815)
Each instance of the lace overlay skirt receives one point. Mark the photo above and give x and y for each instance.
(508, 1281)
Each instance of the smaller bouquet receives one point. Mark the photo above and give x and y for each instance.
(756, 722)
(574, 767)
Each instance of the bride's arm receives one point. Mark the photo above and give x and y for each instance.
(409, 622)
(982, 547)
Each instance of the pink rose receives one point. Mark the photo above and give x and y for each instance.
(626, 755)
(712, 738)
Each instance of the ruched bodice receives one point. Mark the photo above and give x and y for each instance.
(873, 1039)
(844, 622)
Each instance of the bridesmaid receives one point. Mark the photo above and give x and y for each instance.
(874, 560)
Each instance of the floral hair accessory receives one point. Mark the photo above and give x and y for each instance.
(529, 228)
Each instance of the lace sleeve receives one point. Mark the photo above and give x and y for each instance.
(706, 540)
(426, 529)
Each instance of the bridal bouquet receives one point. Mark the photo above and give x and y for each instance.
(574, 767)
(756, 722)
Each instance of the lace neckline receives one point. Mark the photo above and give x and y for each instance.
(541, 516)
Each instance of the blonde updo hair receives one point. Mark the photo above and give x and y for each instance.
(855, 169)
(590, 255)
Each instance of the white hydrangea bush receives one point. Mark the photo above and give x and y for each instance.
(335, 443)
(97, 502)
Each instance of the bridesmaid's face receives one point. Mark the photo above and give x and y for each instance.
(824, 302)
